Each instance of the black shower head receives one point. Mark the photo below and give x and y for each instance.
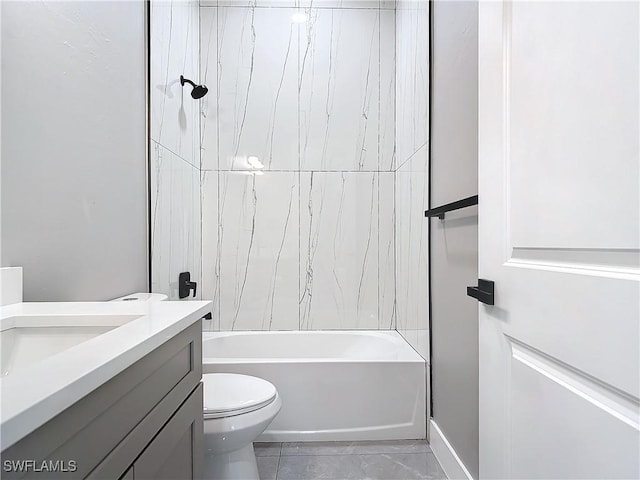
(198, 91)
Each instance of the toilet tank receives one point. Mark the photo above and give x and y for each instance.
(141, 297)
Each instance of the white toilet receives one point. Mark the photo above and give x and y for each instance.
(237, 409)
(141, 297)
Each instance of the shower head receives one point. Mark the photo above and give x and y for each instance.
(198, 91)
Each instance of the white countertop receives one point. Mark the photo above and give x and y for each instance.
(39, 392)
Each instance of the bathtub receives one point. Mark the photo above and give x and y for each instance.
(334, 385)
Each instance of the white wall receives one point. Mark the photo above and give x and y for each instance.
(175, 146)
(74, 196)
(306, 242)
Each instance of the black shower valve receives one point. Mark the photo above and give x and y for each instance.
(185, 285)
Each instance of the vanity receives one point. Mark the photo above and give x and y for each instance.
(101, 390)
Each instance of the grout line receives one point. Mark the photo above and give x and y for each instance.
(175, 154)
(293, 7)
(338, 454)
(199, 147)
(298, 131)
(278, 465)
(298, 171)
(218, 260)
(380, 304)
(412, 155)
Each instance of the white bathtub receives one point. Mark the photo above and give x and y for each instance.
(335, 385)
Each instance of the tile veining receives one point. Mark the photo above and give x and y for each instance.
(238, 134)
(312, 243)
(259, 250)
(297, 137)
(341, 272)
(274, 282)
(254, 202)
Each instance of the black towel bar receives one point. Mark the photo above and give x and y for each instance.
(440, 211)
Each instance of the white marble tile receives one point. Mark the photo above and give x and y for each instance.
(248, 3)
(209, 74)
(409, 4)
(339, 81)
(257, 259)
(257, 107)
(386, 4)
(412, 85)
(175, 221)
(339, 4)
(174, 29)
(259, 251)
(412, 286)
(338, 250)
(387, 113)
(210, 246)
(386, 251)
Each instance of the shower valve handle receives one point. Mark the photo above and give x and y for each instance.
(185, 285)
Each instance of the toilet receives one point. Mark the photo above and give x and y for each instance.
(237, 409)
(141, 297)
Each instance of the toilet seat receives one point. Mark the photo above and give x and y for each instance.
(230, 394)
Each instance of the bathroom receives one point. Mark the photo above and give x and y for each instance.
(343, 195)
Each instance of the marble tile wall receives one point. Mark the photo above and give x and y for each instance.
(412, 237)
(298, 164)
(175, 226)
(175, 141)
(412, 173)
(342, 231)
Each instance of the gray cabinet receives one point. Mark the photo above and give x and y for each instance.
(146, 422)
(175, 451)
(128, 475)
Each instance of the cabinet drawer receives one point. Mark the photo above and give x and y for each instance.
(177, 451)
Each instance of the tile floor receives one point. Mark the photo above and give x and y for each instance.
(386, 460)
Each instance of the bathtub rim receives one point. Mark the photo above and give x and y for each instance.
(393, 336)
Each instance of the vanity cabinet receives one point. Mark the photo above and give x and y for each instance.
(172, 452)
(144, 423)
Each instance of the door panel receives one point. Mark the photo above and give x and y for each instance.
(559, 233)
(548, 398)
(570, 129)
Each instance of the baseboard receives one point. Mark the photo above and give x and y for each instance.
(446, 455)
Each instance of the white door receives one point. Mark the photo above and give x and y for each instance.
(559, 223)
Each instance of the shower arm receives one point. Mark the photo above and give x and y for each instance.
(186, 80)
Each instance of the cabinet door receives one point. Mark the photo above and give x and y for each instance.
(176, 452)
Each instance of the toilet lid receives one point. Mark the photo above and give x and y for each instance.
(227, 394)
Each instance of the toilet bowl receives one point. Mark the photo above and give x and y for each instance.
(237, 409)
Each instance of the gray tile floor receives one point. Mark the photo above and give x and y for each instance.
(385, 460)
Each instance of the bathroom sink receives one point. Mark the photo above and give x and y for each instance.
(28, 339)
